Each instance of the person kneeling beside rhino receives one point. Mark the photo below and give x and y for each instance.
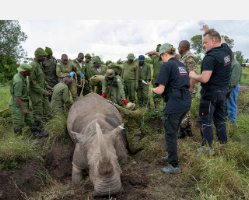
(132, 118)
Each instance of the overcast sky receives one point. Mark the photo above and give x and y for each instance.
(115, 39)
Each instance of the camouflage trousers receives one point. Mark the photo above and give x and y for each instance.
(135, 141)
(40, 106)
(187, 119)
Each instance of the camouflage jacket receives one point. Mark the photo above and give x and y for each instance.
(49, 69)
(190, 61)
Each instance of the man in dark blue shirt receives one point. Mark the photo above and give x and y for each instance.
(214, 78)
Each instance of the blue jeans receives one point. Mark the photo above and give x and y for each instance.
(213, 107)
(232, 104)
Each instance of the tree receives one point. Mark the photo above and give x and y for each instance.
(239, 56)
(108, 62)
(11, 37)
(11, 50)
(230, 42)
(119, 62)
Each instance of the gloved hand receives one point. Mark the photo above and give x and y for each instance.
(81, 75)
(103, 95)
(125, 101)
(71, 73)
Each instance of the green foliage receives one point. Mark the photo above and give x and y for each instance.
(196, 44)
(10, 165)
(119, 61)
(148, 60)
(108, 62)
(239, 56)
(229, 41)
(11, 50)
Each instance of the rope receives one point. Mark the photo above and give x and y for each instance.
(82, 83)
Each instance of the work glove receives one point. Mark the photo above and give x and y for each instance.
(103, 95)
(125, 101)
(81, 75)
(71, 73)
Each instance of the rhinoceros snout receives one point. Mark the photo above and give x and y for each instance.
(107, 193)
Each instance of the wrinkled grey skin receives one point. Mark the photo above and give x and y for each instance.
(95, 126)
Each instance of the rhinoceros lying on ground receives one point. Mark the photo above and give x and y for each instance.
(95, 126)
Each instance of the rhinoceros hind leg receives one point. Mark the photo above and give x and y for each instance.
(76, 175)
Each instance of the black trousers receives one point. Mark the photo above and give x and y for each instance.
(171, 125)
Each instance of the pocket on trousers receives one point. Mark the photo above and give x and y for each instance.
(204, 107)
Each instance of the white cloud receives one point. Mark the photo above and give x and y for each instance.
(114, 39)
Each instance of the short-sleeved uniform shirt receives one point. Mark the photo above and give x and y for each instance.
(174, 74)
(218, 60)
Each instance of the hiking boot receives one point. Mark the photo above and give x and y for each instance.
(17, 132)
(208, 152)
(40, 134)
(170, 169)
(165, 158)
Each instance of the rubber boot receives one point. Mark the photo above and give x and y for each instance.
(182, 134)
(17, 132)
(37, 132)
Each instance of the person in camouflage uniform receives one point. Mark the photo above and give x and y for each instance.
(61, 96)
(157, 63)
(19, 102)
(39, 89)
(96, 81)
(81, 82)
(189, 60)
(89, 69)
(115, 86)
(130, 77)
(132, 119)
(49, 69)
(144, 82)
(65, 68)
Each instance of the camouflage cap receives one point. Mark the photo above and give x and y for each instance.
(94, 80)
(164, 47)
(96, 59)
(130, 106)
(88, 55)
(110, 73)
(39, 52)
(24, 67)
(158, 47)
(131, 56)
(48, 51)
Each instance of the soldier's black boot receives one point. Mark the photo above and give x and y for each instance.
(189, 131)
(182, 133)
(17, 132)
(36, 130)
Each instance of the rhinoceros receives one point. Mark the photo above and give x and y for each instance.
(96, 126)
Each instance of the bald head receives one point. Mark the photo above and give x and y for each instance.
(183, 47)
(67, 80)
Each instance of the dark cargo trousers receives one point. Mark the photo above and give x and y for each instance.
(129, 89)
(213, 107)
(171, 125)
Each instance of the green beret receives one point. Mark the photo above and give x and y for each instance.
(96, 59)
(88, 55)
(48, 51)
(39, 52)
(24, 67)
(131, 56)
(158, 47)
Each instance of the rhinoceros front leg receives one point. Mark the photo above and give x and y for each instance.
(76, 175)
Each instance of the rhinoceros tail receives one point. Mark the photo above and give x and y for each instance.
(105, 166)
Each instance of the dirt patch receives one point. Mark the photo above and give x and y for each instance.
(20, 183)
(58, 161)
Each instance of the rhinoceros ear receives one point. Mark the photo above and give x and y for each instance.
(117, 130)
(77, 137)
